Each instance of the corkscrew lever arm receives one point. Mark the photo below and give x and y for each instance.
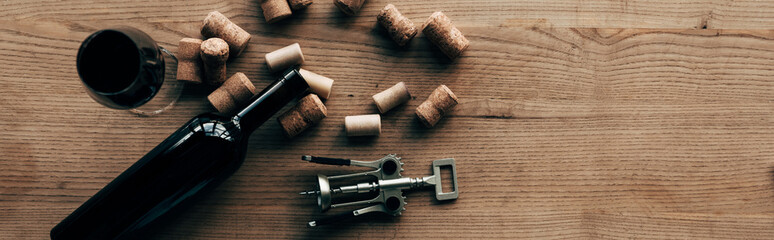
(341, 161)
(347, 215)
(325, 160)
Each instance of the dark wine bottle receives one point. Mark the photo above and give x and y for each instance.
(193, 160)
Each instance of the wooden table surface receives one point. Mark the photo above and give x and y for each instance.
(577, 119)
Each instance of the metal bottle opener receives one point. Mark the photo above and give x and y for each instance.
(390, 185)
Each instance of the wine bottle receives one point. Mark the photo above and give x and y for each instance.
(193, 160)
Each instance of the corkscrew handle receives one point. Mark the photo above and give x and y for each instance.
(439, 194)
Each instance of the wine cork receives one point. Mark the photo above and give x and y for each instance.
(275, 10)
(349, 7)
(235, 92)
(400, 28)
(219, 26)
(240, 88)
(189, 63)
(214, 53)
(363, 125)
(319, 84)
(285, 57)
(391, 97)
(441, 101)
(441, 32)
(221, 100)
(299, 4)
(309, 111)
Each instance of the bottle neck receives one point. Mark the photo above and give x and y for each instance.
(265, 104)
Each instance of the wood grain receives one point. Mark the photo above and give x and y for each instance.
(578, 119)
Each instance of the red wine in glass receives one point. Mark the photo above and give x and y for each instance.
(123, 68)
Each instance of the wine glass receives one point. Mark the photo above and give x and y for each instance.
(123, 68)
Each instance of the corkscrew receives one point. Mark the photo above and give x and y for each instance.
(390, 185)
